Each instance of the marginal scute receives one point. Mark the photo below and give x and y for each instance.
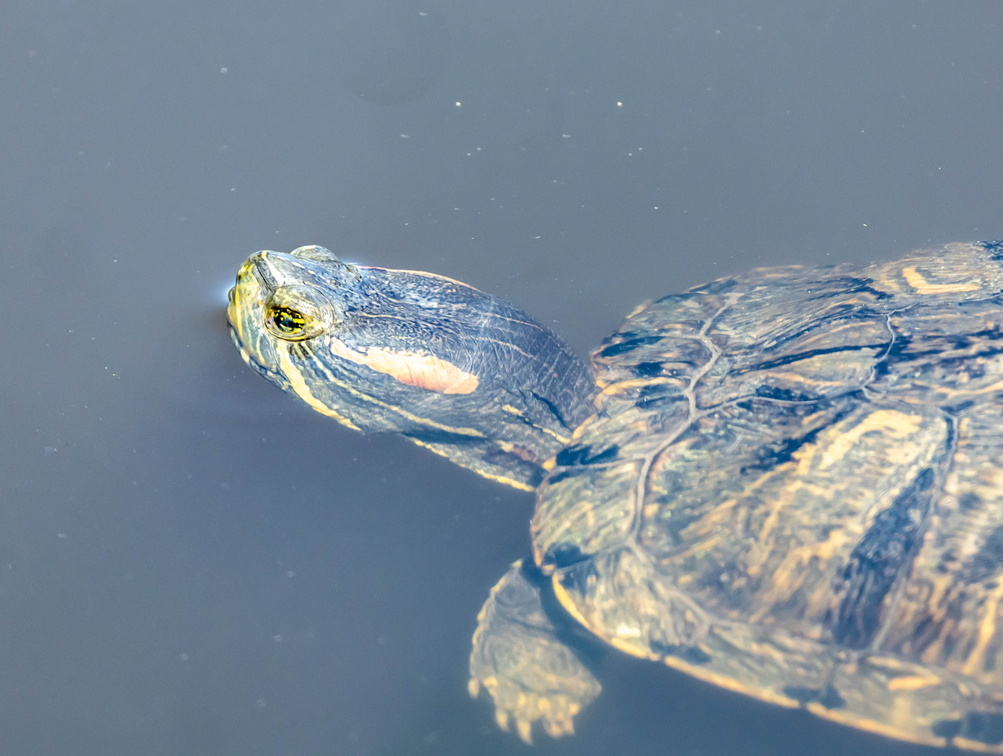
(828, 696)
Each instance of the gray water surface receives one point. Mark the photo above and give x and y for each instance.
(190, 563)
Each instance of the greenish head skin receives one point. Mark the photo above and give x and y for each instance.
(442, 363)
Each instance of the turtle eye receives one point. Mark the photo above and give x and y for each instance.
(296, 313)
(285, 321)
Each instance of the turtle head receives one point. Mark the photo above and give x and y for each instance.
(442, 363)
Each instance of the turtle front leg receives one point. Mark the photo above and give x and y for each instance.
(519, 659)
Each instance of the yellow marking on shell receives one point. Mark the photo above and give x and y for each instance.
(914, 682)
(975, 665)
(628, 631)
(298, 385)
(789, 576)
(983, 390)
(802, 380)
(940, 590)
(779, 657)
(639, 309)
(719, 522)
(413, 368)
(896, 424)
(708, 542)
(916, 280)
(629, 647)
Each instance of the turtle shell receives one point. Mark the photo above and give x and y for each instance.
(792, 489)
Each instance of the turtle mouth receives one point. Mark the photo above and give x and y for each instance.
(243, 312)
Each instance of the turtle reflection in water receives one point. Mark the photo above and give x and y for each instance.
(786, 483)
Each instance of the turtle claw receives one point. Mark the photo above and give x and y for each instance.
(501, 719)
(525, 729)
(555, 714)
(557, 729)
(531, 675)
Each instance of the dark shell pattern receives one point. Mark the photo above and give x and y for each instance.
(793, 489)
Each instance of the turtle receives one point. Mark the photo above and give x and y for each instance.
(786, 482)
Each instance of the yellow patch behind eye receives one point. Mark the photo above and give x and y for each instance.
(413, 368)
